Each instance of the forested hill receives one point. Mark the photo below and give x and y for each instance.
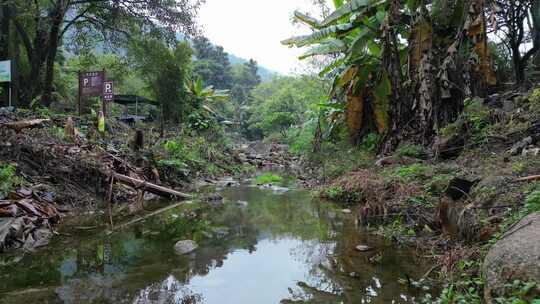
(265, 73)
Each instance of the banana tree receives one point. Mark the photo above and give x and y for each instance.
(353, 33)
(385, 68)
(206, 96)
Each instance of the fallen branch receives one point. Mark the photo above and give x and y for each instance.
(528, 178)
(146, 186)
(143, 218)
(18, 126)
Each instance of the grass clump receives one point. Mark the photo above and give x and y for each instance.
(408, 150)
(532, 202)
(414, 171)
(7, 179)
(268, 178)
(341, 194)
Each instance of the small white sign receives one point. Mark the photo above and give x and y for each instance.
(5, 71)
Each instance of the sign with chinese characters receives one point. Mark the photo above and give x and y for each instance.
(5, 71)
(91, 83)
(108, 91)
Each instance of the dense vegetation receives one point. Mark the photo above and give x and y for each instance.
(394, 81)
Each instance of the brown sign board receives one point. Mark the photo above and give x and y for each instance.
(91, 83)
(108, 91)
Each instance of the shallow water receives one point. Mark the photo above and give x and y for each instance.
(280, 248)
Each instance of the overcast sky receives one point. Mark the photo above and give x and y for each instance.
(254, 29)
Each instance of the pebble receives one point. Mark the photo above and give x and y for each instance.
(363, 248)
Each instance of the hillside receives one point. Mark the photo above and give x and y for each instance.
(265, 73)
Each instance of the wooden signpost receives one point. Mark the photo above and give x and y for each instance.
(92, 84)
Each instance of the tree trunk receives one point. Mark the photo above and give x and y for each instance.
(54, 39)
(4, 46)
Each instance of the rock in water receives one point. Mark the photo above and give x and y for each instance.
(363, 248)
(515, 257)
(185, 247)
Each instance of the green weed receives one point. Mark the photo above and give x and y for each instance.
(518, 167)
(532, 202)
(414, 171)
(7, 179)
(268, 178)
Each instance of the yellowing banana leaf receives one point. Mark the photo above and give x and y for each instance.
(477, 32)
(421, 41)
(347, 76)
(381, 104)
(354, 114)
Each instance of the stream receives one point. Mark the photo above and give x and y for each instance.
(257, 246)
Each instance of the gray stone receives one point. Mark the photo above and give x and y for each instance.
(346, 211)
(185, 247)
(242, 203)
(363, 248)
(516, 256)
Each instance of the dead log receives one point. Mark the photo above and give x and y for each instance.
(18, 126)
(146, 186)
(140, 219)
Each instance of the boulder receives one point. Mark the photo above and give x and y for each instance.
(185, 247)
(516, 256)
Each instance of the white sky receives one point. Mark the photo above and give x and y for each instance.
(254, 29)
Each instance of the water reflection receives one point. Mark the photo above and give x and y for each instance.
(283, 248)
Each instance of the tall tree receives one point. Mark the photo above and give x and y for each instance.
(519, 21)
(41, 27)
(212, 64)
(166, 70)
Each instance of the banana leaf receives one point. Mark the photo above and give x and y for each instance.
(330, 46)
(317, 36)
(360, 6)
(314, 23)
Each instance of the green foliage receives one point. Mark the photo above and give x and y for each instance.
(371, 142)
(7, 179)
(438, 184)
(534, 99)
(532, 202)
(339, 194)
(282, 103)
(410, 150)
(420, 200)
(196, 152)
(518, 167)
(165, 70)
(414, 171)
(212, 64)
(268, 178)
